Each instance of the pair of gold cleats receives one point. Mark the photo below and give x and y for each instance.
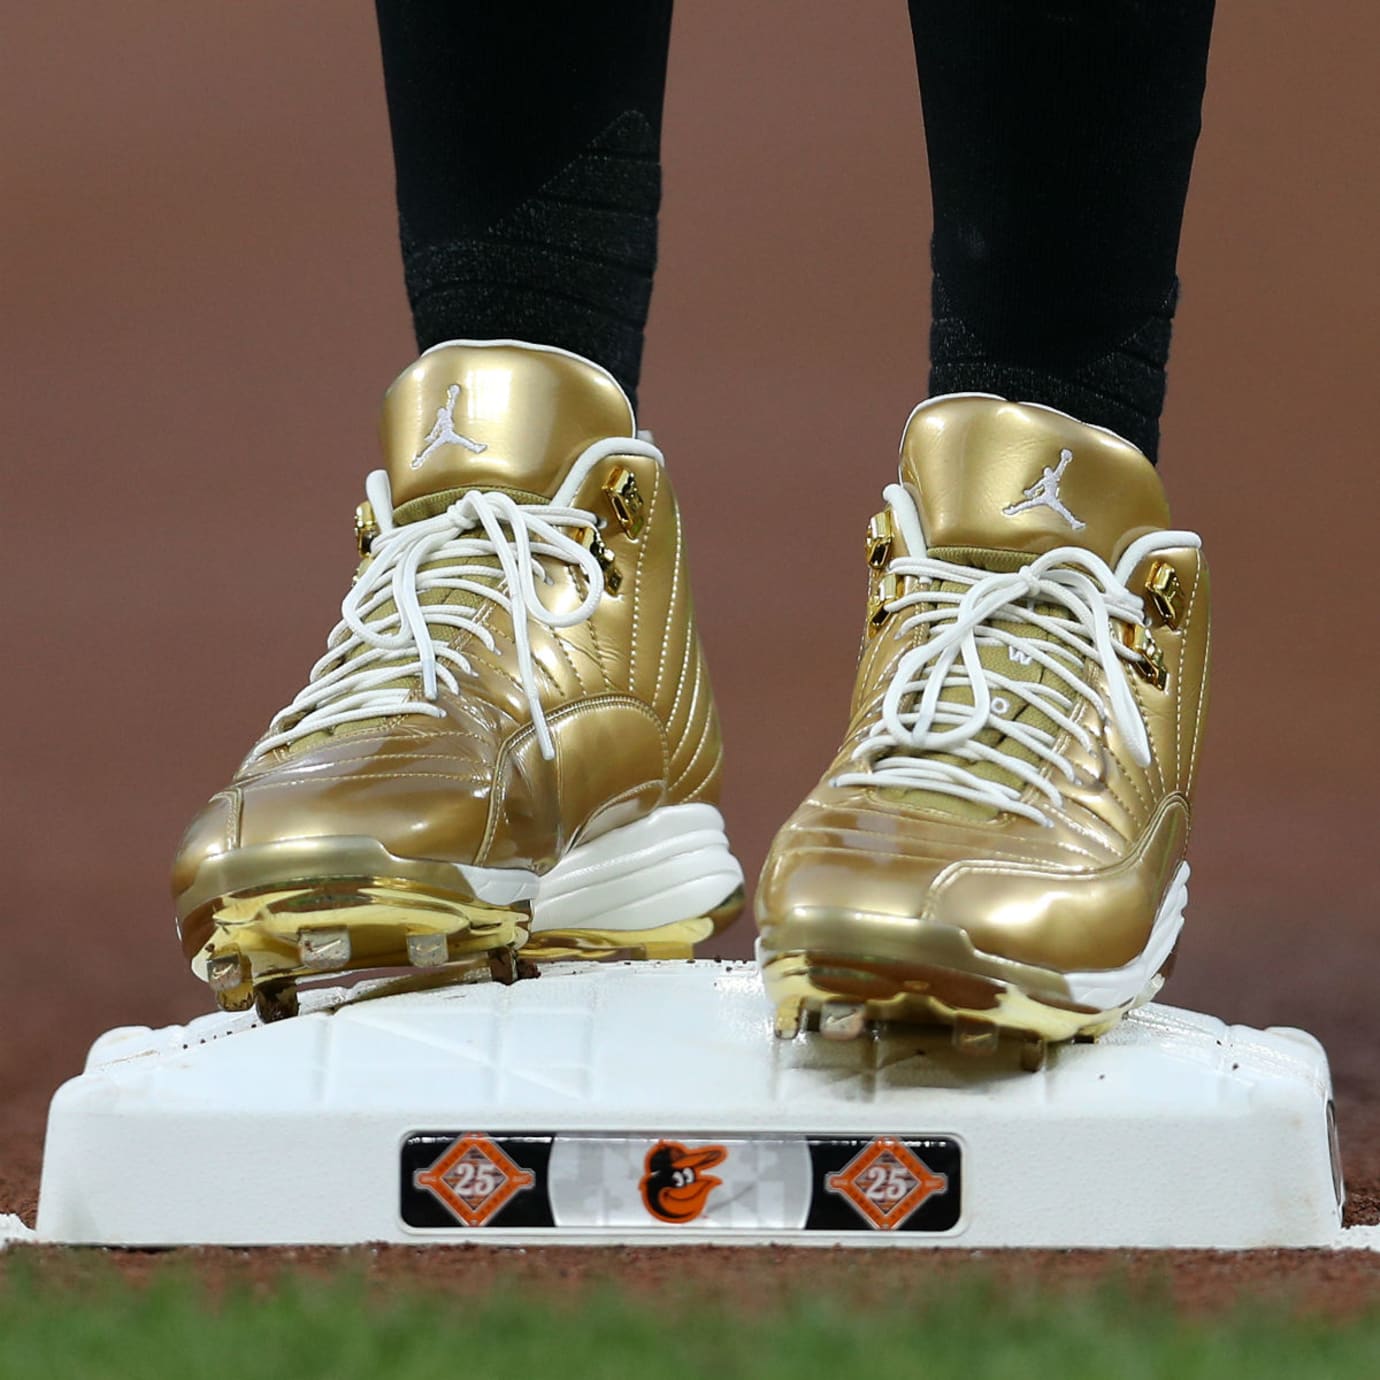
(509, 752)
(510, 749)
(1000, 843)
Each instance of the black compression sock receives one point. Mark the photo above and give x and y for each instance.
(1122, 388)
(1061, 137)
(528, 169)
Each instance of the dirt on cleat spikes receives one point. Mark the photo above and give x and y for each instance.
(275, 1001)
(503, 966)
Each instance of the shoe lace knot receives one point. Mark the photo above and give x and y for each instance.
(1055, 615)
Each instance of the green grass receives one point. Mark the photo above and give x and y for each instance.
(100, 1326)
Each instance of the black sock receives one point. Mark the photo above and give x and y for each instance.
(527, 148)
(1060, 137)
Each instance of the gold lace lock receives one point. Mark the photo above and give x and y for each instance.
(366, 527)
(881, 532)
(1149, 661)
(1165, 591)
(625, 498)
(888, 589)
(590, 539)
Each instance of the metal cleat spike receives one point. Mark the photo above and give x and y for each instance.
(1033, 1051)
(790, 1017)
(225, 972)
(323, 949)
(427, 950)
(973, 1035)
(839, 1021)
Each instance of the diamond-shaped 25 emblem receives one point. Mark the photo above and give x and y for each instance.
(886, 1182)
(474, 1179)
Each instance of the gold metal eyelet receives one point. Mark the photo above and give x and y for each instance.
(1165, 592)
(881, 533)
(590, 539)
(366, 527)
(1149, 661)
(888, 589)
(625, 498)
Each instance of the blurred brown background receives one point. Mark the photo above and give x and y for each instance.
(201, 303)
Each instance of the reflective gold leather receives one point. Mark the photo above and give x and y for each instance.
(626, 693)
(532, 411)
(967, 459)
(868, 873)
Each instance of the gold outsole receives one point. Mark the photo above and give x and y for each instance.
(843, 997)
(263, 943)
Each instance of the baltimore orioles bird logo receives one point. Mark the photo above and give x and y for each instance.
(673, 1187)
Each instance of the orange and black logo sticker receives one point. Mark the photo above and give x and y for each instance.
(462, 1181)
(887, 1182)
(890, 1183)
(675, 1185)
(475, 1178)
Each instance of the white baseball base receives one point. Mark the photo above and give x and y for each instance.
(650, 1102)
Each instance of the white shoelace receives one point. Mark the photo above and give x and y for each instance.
(917, 719)
(368, 649)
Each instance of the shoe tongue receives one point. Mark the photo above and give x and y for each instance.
(499, 415)
(1001, 478)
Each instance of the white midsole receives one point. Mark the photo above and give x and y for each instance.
(673, 865)
(498, 886)
(1108, 988)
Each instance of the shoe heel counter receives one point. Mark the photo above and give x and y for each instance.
(1196, 674)
(676, 680)
(698, 754)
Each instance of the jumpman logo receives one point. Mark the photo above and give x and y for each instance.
(1044, 493)
(443, 432)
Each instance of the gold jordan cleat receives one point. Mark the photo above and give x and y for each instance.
(510, 743)
(999, 845)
